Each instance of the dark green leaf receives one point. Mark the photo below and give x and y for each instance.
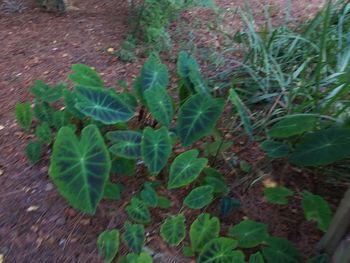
(324, 258)
(113, 191)
(134, 237)
(108, 244)
(215, 180)
(24, 115)
(80, 169)
(199, 197)
(44, 92)
(292, 125)
(249, 233)
(34, 151)
(277, 195)
(256, 258)
(123, 166)
(61, 118)
(138, 211)
(43, 133)
(217, 147)
(163, 202)
(173, 230)
(70, 99)
(188, 252)
(126, 144)
(149, 196)
(275, 149)
(228, 204)
(280, 250)
(85, 76)
(44, 112)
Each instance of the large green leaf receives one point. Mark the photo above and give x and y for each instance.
(160, 104)
(108, 244)
(249, 233)
(185, 169)
(80, 169)
(138, 211)
(316, 208)
(277, 195)
(280, 250)
(292, 125)
(44, 92)
(156, 148)
(197, 117)
(126, 144)
(102, 105)
(134, 237)
(24, 115)
(203, 229)
(173, 230)
(85, 76)
(242, 111)
(220, 250)
(199, 197)
(322, 148)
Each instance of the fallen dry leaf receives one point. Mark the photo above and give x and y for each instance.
(268, 182)
(2, 258)
(32, 208)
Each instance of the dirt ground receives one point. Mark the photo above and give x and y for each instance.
(36, 224)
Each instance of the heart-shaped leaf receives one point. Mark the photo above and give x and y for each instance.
(159, 104)
(249, 233)
(199, 197)
(292, 125)
(173, 231)
(220, 250)
(322, 147)
(156, 148)
(185, 169)
(80, 169)
(316, 208)
(138, 211)
(85, 76)
(149, 196)
(102, 105)
(126, 144)
(280, 250)
(203, 229)
(134, 237)
(277, 195)
(24, 115)
(197, 117)
(108, 244)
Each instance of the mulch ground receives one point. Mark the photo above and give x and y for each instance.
(36, 224)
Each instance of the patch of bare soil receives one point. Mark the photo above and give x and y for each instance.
(36, 224)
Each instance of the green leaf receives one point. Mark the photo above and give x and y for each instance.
(160, 104)
(138, 211)
(275, 149)
(217, 147)
(188, 252)
(80, 168)
(197, 117)
(44, 92)
(322, 148)
(123, 166)
(220, 250)
(44, 112)
(24, 115)
(108, 244)
(144, 258)
(199, 197)
(34, 151)
(324, 258)
(102, 105)
(134, 258)
(43, 133)
(173, 230)
(85, 76)
(134, 237)
(61, 118)
(316, 208)
(185, 169)
(256, 258)
(228, 204)
(70, 99)
(156, 148)
(113, 191)
(292, 125)
(199, 83)
(249, 233)
(203, 229)
(163, 202)
(280, 250)
(216, 180)
(242, 111)
(149, 196)
(126, 144)
(277, 195)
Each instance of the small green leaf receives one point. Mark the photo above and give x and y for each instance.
(217, 147)
(156, 148)
(160, 104)
(292, 125)
(44, 92)
(108, 244)
(197, 118)
(173, 231)
(316, 208)
(275, 149)
(220, 250)
(61, 118)
(256, 258)
(126, 144)
(43, 133)
(203, 229)
(185, 169)
(216, 180)
(113, 191)
(24, 115)
(138, 211)
(134, 237)
(199, 197)
(188, 252)
(44, 112)
(149, 196)
(277, 195)
(249, 233)
(85, 76)
(34, 151)
(163, 202)
(102, 105)
(280, 250)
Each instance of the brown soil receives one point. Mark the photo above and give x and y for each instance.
(36, 224)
